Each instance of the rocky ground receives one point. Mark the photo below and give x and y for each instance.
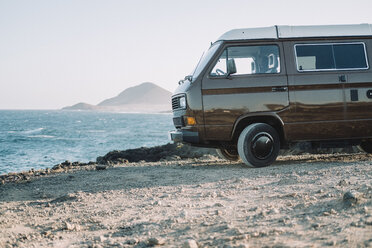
(300, 201)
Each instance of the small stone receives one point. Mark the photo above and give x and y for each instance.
(331, 243)
(352, 197)
(72, 227)
(365, 210)
(190, 243)
(101, 167)
(100, 238)
(274, 211)
(343, 183)
(368, 221)
(183, 214)
(332, 211)
(132, 241)
(156, 241)
(315, 225)
(69, 227)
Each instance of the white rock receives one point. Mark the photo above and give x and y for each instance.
(190, 243)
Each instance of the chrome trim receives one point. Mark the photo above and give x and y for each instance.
(332, 43)
(176, 101)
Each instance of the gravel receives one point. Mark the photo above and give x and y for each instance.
(300, 201)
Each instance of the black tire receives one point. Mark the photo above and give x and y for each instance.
(259, 145)
(366, 146)
(227, 154)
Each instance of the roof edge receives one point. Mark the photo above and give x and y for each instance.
(286, 31)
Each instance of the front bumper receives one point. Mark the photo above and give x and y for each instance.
(184, 136)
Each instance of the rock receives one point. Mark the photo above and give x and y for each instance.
(365, 210)
(100, 238)
(153, 154)
(343, 182)
(368, 221)
(132, 241)
(352, 197)
(156, 241)
(218, 205)
(157, 203)
(71, 227)
(57, 167)
(101, 167)
(315, 225)
(190, 243)
(332, 211)
(274, 211)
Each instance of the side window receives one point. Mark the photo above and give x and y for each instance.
(331, 56)
(246, 60)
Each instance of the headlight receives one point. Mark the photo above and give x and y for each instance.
(182, 102)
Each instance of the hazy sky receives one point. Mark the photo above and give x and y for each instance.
(55, 53)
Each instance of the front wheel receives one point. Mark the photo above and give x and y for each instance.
(228, 154)
(259, 145)
(366, 146)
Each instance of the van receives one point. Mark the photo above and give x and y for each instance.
(258, 90)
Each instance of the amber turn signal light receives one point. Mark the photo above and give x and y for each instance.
(190, 121)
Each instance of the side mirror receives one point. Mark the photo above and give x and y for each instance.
(231, 67)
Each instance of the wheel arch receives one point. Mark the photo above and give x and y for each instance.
(271, 119)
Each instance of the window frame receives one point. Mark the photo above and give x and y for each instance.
(332, 43)
(244, 75)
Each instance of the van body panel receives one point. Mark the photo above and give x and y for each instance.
(226, 99)
(358, 99)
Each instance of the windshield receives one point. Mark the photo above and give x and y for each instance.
(205, 59)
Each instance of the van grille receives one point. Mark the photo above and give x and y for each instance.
(176, 102)
(178, 122)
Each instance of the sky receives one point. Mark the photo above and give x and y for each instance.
(56, 53)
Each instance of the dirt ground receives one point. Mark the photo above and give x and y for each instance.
(300, 201)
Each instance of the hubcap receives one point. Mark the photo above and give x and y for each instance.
(262, 145)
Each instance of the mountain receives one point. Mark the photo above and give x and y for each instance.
(146, 97)
(145, 93)
(81, 106)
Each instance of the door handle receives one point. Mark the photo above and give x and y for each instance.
(279, 89)
(342, 78)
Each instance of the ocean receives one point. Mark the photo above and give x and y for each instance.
(40, 138)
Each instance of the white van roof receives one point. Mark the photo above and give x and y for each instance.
(280, 32)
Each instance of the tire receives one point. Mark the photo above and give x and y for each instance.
(366, 146)
(259, 145)
(231, 155)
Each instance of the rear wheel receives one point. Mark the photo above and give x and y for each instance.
(228, 154)
(366, 146)
(258, 145)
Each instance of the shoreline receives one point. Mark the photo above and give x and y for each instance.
(161, 153)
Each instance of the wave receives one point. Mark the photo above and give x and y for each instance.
(41, 136)
(96, 131)
(37, 130)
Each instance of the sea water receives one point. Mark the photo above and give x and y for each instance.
(40, 139)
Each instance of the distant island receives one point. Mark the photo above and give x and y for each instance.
(143, 98)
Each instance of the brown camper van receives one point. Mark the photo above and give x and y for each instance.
(258, 90)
